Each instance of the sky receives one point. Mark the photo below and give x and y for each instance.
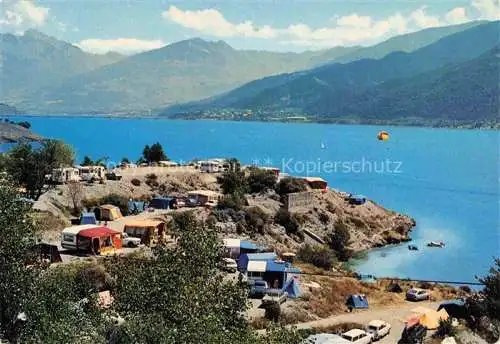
(131, 26)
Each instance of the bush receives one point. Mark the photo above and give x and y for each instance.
(465, 289)
(261, 180)
(445, 329)
(285, 219)
(339, 240)
(324, 218)
(135, 182)
(234, 201)
(319, 256)
(290, 185)
(273, 312)
(152, 180)
(256, 219)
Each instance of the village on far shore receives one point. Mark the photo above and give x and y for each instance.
(280, 240)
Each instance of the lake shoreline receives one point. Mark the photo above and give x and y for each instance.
(494, 127)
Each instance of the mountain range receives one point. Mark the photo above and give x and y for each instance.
(431, 75)
(453, 79)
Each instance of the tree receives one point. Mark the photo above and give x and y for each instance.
(28, 166)
(261, 180)
(491, 290)
(154, 153)
(18, 236)
(75, 191)
(87, 161)
(233, 181)
(125, 161)
(339, 241)
(290, 185)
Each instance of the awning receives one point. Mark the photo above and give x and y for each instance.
(231, 242)
(256, 266)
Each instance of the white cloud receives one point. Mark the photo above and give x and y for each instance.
(422, 20)
(212, 22)
(120, 45)
(488, 9)
(22, 13)
(456, 16)
(355, 20)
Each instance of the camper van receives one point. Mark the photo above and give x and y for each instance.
(65, 175)
(210, 166)
(92, 173)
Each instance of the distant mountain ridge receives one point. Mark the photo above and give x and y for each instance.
(365, 90)
(44, 75)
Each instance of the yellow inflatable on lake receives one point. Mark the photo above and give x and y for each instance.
(383, 136)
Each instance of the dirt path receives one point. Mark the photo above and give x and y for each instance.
(394, 316)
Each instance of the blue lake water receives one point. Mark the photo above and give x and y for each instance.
(448, 180)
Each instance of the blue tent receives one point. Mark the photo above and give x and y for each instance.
(357, 199)
(162, 202)
(292, 287)
(357, 301)
(135, 206)
(249, 246)
(455, 308)
(246, 257)
(87, 219)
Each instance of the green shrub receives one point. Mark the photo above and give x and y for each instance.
(152, 180)
(339, 241)
(445, 329)
(233, 201)
(285, 219)
(290, 185)
(261, 180)
(273, 312)
(256, 219)
(324, 218)
(319, 256)
(135, 182)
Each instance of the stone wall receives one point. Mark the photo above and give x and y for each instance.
(299, 200)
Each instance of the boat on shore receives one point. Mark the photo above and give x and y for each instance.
(439, 244)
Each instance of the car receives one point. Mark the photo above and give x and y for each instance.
(229, 265)
(417, 294)
(258, 288)
(113, 176)
(358, 336)
(130, 241)
(378, 329)
(274, 296)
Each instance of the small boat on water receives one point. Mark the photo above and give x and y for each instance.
(439, 244)
(412, 248)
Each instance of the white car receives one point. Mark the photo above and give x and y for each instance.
(417, 294)
(275, 296)
(378, 329)
(358, 336)
(130, 241)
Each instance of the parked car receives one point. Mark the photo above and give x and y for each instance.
(417, 294)
(258, 288)
(113, 176)
(358, 336)
(274, 296)
(130, 241)
(378, 329)
(229, 265)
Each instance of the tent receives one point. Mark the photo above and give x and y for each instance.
(87, 219)
(150, 231)
(135, 207)
(110, 212)
(292, 287)
(246, 257)
(454, 308)
(357, 301)
(431, 319)
(162, 203)
(99, 240)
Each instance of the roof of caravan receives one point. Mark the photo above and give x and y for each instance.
(76, 229)
(108, 206)
(314, 179)
(143, 223)
(203, 193)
